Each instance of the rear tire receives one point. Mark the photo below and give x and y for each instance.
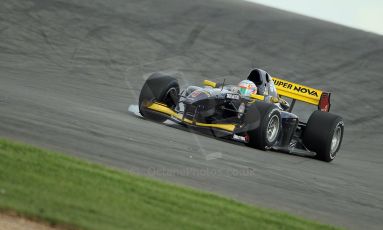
(323, 135)
(265, 125)
(158, 88)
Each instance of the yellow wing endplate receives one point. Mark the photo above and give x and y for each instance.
(297, 91)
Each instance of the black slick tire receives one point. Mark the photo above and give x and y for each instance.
(324, 134)
(158, 88)
(260, 116)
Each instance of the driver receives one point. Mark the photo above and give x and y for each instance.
(246, 88)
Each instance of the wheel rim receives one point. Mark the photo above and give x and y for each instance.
(169, 97)
(272, 128)
(335, 140)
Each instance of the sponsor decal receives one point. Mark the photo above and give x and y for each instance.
(196, 93)
(266, 91)
(297, 88)
(272, 87)
(232, 96)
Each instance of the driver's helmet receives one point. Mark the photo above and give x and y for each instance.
(246, 88)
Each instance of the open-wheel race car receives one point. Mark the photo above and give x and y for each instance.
(254, 112)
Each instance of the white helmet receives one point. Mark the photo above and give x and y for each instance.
(246, 88)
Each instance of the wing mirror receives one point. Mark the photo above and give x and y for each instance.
(210, 83)
(274, 99)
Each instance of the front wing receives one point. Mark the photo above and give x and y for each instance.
(178, 117)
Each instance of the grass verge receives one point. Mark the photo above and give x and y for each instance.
(72, 193)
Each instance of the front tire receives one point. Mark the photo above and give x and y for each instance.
(265, 124)
(324, 134)
(158, 88)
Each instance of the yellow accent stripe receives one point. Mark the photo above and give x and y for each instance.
(296, 91)
(228, 127)
(162, 108)
(166, 110)
(257, 96)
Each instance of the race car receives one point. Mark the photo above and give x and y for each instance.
(254, 112)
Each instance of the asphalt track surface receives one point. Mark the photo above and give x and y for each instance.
(69, 70)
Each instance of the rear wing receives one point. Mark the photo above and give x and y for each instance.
(303, 93)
